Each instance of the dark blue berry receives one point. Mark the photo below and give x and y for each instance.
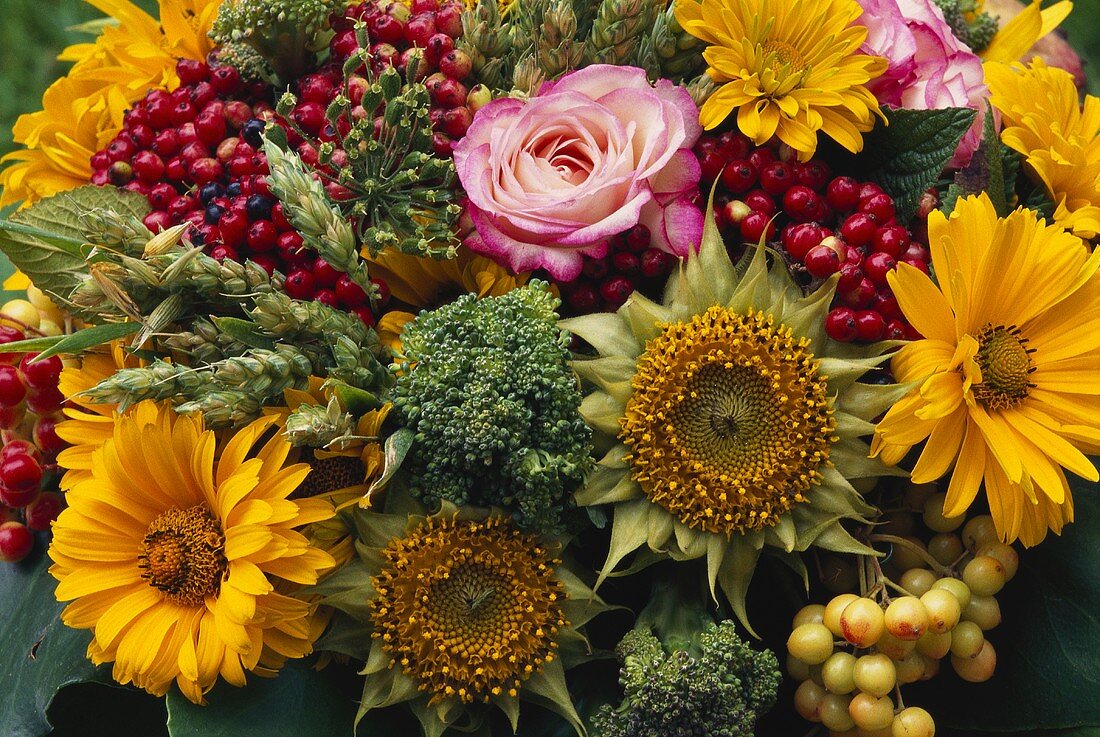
(252, 132)
(210, 191)
(233, 190)
(258, 207)
(213, 214)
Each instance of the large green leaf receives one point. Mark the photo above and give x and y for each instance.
(301, 702)
(45, 239)
(907, 156)
(1048, 646)
(39, 655)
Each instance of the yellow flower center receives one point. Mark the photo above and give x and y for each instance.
(469, 609)
(183, 554)
(778, 54)
(330, 474)
(1005, 361)
(728, 422)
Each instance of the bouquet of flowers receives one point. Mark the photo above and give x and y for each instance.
(628, 368)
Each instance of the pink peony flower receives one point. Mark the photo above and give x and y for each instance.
(552, 178)
(930, 68)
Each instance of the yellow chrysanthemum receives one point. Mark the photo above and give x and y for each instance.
(1059, 138)
(1016, 37)
(426, 283)
(83, 111)
(172, 558)
(89, 424)
(459, 608)
(1009, 371)
(789, 68)
(733, 422)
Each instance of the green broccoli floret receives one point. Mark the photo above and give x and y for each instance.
(486, 387)
(972, 26)
(284, 32)
(246, 60)
(719, 689)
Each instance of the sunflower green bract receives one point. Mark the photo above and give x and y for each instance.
(486, 386)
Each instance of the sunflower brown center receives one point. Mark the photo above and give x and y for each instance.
(330, 474)
(1006, 364)
(728, 422)
(468, 609)
(183, 554)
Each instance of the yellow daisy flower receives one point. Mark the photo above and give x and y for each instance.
(83, 111)
(1007, 387)
(89, 424)
(1059, 138)
(789, 68)
(1016, 37)
(172, 558)
(426, 283)
(733, 423)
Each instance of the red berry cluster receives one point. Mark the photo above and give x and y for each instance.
(422, 33)
(30, 408)
(605, 283)
(824, 225)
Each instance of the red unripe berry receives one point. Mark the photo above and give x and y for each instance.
(44, 510)
(870, 326)
(776, 178)
(12, 389)
(732, 213)
(877, 266)
(324, 275)
(300, 285)
(46, 437)
(822, 262)
(19, 473)
(615, 291)
(41, 374)
(858, 229)
(739, 176)
(16, 542)
(840, 324)
(842, 194)
(350, 294)
(757, 225)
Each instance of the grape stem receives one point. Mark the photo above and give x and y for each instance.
(897, 693)
(924, 554)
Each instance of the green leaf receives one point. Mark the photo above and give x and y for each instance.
(355, 400)
(300, 701)
(907, 156)
(245, 331)
(1048, 648)
(395, 449)
(75, 343)
(39, 654)
(991, 170)
(45, 239)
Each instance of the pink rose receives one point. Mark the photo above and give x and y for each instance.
(552, 178)
(930, 68)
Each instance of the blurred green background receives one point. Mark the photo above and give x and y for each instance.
(32, 32)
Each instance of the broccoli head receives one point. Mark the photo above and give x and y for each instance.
(286, 33)
(717, 689)
(486, 387)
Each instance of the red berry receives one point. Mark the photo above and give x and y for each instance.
(183, 112)
(46, 437)
(868, 189)
(878, 206)
(877, 266)
(761, 157)
(625, 263)
(842, 194)
(757, 225)
(733, 145)
(191, 71)
(44, 510)
(891, 239)
(840, 324)
(858, 229)
(350, 294)
(739, 176)
(595, 268)
(870, 326)
(210, 128)
(300, 285)
(10, 417)
(226, 80)
(812, 174)
(582, 297)
(45, 401)
(382, 289)
(776, 178)
(157, 220)
(20, 473)
(449, 19)
(326, 297)
(266, 261)
(759, 200)
(799, 238)
(40, 374)
(364, 314)
(637, 238)
(205, 170)
(456, 121)
(161, 194)
(801, 203)
(656, 263)
(615, 291)
(886, 304)
(710, 164)
(822, 262)
(419, 29)
(917, 263)
(221, 252)
(12, 389)
(850, 277)
(261, 235)
(860, 296)
(324, 275)
(19, 447)
(896, 330)
(16, 542)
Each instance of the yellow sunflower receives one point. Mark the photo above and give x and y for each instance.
(89, 424)
(732, 422)
(789, 68)
(1008, 375)
(426, 283)
(83, 111)
(460, 609)
(171, 557)
(1059, 138)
